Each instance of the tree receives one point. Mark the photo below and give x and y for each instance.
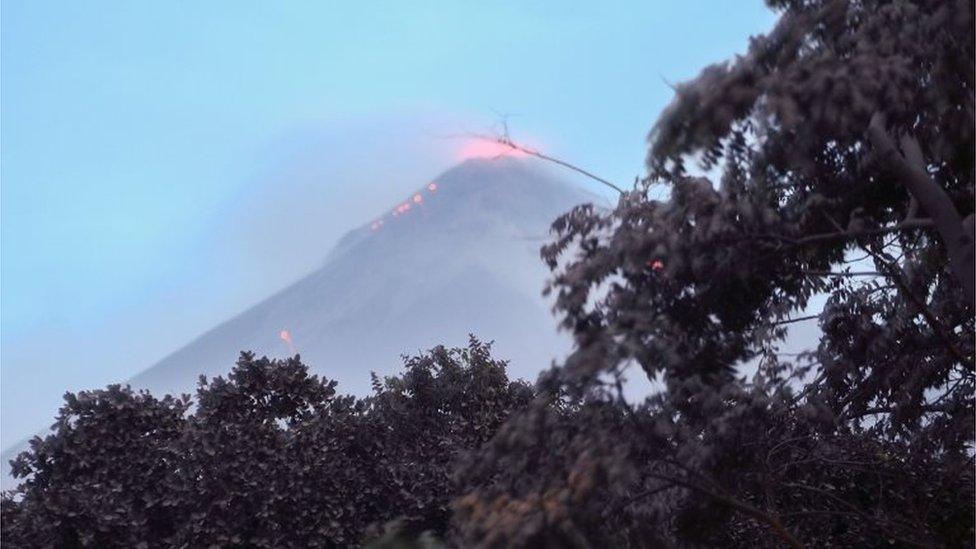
(844, 144)
(270, 456)
(100, 478)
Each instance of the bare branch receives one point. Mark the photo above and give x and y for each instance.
(771, 521)
(845, 234)
(792, 320)
(843, 273)
(507, 141)
(895, 274)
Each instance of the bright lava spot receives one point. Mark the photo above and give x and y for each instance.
(417, 198)
(285, 336)
(486, 148)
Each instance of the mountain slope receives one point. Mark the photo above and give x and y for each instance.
(462, 259)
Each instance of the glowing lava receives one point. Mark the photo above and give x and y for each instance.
(404, 207)
(486, 148)
(285, 336)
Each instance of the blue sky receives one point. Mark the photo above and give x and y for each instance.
(164, 165)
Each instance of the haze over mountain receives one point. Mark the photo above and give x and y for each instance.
(459, 256)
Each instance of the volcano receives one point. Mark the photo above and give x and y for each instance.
(458, 256)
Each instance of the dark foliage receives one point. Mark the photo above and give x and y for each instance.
(844, 144)
(268, 457)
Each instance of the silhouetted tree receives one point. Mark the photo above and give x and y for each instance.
(268, 457)
(844, 146)
(101, 478)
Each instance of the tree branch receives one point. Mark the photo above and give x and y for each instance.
(843, 273)
(792, 320)
(844, 234)
(507, 141)
(909, 166)
(895, 274)
(771, 521)
(884, 525)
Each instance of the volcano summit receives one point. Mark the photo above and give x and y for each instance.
(458, 256)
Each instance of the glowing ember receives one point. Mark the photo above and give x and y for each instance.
(486, 148)
(285, 336)
(418, 199)
(432, 187)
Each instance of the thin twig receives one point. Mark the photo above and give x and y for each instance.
(773, 522)
(792, 320)
(923, 309)
(843, 273)
(843, 234)
(508, 142)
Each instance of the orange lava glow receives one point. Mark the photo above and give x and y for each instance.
(285, 336)
(486, 148)
(404, 207)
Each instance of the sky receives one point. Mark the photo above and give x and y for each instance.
(165, 165)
